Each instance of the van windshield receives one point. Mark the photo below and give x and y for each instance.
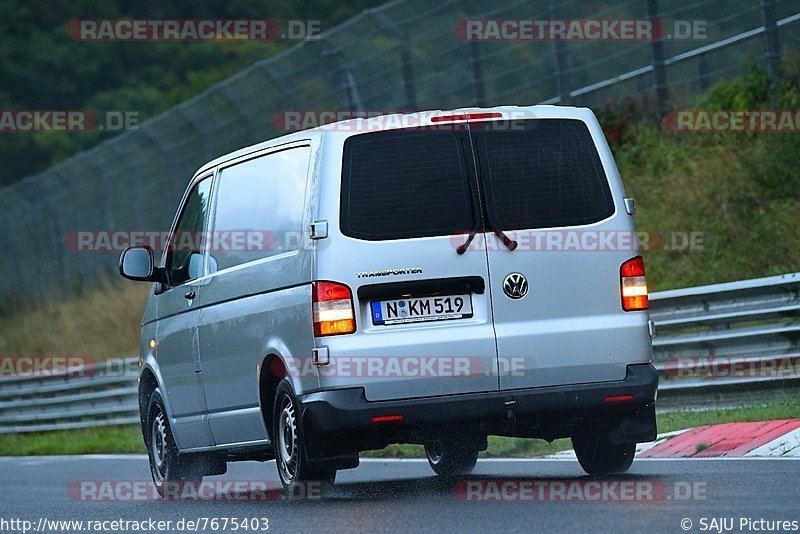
(533, 174)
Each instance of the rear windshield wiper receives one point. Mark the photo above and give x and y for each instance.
(462, 248)
(507, 241)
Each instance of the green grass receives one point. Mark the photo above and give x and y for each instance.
(128, 439)
(99, 440)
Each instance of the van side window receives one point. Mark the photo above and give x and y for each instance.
(259, 208)
(184, 259)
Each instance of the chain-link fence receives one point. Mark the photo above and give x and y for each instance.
(405, 55)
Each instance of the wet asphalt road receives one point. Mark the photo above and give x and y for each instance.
(405, 495)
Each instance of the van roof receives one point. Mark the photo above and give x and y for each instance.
(380, 122)
(394, 121)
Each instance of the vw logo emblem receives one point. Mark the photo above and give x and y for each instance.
(515, 286)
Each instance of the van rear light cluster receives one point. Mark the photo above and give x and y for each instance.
(333, 309)
(634, 286)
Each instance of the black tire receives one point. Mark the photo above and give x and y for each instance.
(294, 469)
(449, 458)
(598, 456)
(167, 466)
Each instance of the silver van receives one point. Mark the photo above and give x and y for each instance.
(428, 278)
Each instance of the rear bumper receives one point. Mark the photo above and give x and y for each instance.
(552, 410)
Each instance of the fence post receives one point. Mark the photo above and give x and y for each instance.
(69, 217)
(236, 102)
(702, 67)
(12, 255)
(659, 69)
(34, 282)
(184, 110)
(352, 97)
(407, 69)
(562, 76)
(108, 189)
(772, 47)
(477, 73)
(475, 61)
(285, 81)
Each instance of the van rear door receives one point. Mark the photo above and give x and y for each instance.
(408, 199)
(556, 296)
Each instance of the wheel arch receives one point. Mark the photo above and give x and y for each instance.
(148, 382)
(270, 373)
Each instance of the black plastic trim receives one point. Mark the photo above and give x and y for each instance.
(423, 288)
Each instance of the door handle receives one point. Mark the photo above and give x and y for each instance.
(190, 295)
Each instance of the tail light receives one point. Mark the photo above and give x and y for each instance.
(333, 311)
(634, 286)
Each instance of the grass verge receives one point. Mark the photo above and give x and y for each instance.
(128, 439)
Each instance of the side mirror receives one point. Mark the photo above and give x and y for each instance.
(136, 263)
(195, 265)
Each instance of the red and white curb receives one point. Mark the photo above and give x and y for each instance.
(780, 438)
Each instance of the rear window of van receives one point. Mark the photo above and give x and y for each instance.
(532, 174)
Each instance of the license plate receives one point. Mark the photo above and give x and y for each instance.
(421, 309)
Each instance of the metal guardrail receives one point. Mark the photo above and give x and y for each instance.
(722, 345)
(706, 335)
(757, 318)
(102, 394)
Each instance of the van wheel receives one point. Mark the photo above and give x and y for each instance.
(290, 456)
(450, 458)
(167, 467)
(598, 456)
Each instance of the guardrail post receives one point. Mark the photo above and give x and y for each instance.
(772, 46)
(562, 73)
(659, 69)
